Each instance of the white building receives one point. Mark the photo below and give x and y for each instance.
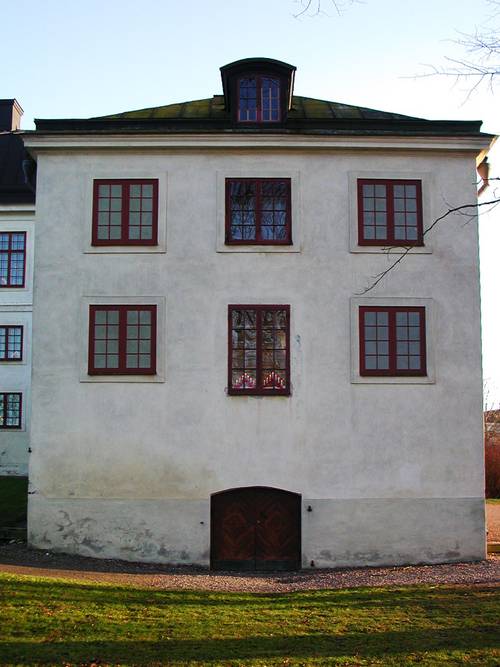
(17, 217)
(210, 384)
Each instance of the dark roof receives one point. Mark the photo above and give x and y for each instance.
(306, 116)
(13, 186)
(303, 108)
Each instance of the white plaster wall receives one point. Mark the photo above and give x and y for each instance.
(184, 438)
(16, 308)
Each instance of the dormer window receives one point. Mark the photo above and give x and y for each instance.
(258, 91)
(259, 99)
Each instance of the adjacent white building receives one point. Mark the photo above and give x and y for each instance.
(17, 217)
(211, 384)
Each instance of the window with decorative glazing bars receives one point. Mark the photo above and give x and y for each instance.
(122, 340)
(10, 410)
(12, 259)
(390, 212)
(125, 212)
(259, 350)
(392, 340)
(258, 211)
(259, 99)
(11, 343)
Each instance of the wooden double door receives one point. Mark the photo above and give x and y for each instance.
(255, 528)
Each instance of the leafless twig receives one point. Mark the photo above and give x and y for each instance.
(407, 249)
(316, 7)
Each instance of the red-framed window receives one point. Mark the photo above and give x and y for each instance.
(11, 343)
(390, 212)
(122, 340)
(12, 259)
(259, 350)
(258, 211)
(10, 410)
(259, 99)
(392, 340)
(125, 212)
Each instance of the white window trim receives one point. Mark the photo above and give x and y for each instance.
(159, 302)
(86, 241)
(23, 390)
(427, 210)
(430, 332)
(296, 210)
(20, 295)
(13, 319)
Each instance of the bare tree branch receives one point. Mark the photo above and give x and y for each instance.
(407, 249)
(483, 65)
(316, 7)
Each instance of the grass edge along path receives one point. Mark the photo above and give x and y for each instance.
(51, 621)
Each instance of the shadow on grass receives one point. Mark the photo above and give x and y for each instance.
(363, 646)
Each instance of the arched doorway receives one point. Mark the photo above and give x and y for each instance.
(255, 528)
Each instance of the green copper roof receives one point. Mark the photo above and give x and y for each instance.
(303, 108)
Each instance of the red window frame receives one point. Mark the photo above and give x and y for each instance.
(259, 182)
(6, 328)
(125, 212)
(390, 217)
(259, 389)
(122, 368)
(258, 89)
(392, 370)
(3, 410)
(9, 252)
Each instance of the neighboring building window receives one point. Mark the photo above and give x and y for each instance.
(11, 343)
(259, 350)
(258, 211)
(12, 259)
(10, 410)
(125, 212)
(259, 99)
(392, 340)
(122, 340)
(390, 212)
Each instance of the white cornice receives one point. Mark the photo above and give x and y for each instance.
(41, 143)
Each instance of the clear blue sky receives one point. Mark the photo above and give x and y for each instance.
(66, 59)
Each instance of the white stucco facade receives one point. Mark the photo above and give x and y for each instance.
(16, 305)
(390, 469)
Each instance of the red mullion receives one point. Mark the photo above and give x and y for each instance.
(152, 310)
(392, 340)
(420, 215)
(228, 210)
(287, 356)
(361, 323)
(258, 210)
(423, 343)
(122, 340)
(259, 385)
(125, 237)
(389, 193)
(288, 213)
(92, 312)
(155, 221)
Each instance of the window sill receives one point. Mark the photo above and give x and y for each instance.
(390, 250)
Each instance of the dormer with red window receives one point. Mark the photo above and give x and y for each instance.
(258, 91)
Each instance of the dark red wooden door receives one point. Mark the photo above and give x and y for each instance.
(255, 528)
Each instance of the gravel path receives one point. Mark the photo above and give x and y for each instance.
(493, 521)
(18, 559)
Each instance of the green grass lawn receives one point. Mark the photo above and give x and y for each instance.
(493, 501)
(13, 500)
(46, 621)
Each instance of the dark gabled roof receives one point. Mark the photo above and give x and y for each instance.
(14, 188)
